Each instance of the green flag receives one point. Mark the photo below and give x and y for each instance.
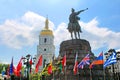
(60, 67)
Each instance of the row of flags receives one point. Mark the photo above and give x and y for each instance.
(50, 68)
(85, 61)
(11, 69)
(17, 70)
(99, 60)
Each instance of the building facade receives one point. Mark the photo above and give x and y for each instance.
(114, 69)
(46, 46)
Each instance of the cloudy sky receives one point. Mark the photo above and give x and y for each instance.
(22, 20)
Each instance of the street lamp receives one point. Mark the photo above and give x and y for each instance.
(26, 61)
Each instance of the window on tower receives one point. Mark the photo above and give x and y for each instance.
(44, 62)
(45, 40)
(44, 49)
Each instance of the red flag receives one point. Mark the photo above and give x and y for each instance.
(99, 60)
(76, 65)
(36, 68)
(15, 71)
(19, 66)
(30, 61)
(64, 60)
(39, 63)
(50, 69)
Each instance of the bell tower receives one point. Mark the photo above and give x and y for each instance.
(46, 46)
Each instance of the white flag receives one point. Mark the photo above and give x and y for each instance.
(111, 60)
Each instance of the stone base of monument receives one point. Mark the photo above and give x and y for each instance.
(73, 47)
(70, 48)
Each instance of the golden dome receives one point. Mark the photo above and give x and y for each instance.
(46, 30)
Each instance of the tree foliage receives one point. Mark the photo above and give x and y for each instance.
(3, 65)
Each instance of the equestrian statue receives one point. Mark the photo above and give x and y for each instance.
(73, 25)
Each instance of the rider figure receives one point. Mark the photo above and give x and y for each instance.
(73, 25)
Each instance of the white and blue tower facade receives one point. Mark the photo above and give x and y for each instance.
(46, 46)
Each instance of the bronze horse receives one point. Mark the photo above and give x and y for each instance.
(73, 25)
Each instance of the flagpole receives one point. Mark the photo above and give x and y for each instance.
(52, 64)
(53, 75)
(113, 72)
(118, 71)
(104, 70)
(78, 73)
(20, 75)
(104, 73)
(59, 76)
(65, 74)
(90, 74)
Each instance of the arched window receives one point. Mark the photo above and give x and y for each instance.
(45, 40)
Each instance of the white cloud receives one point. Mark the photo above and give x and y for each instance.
(118, 50)
(24, 31)
(61, 34)
(99, 36)
(3, 62)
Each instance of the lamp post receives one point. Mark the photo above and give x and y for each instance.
(26, 61)
(44, 65)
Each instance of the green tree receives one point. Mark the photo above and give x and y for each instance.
(3, 65)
